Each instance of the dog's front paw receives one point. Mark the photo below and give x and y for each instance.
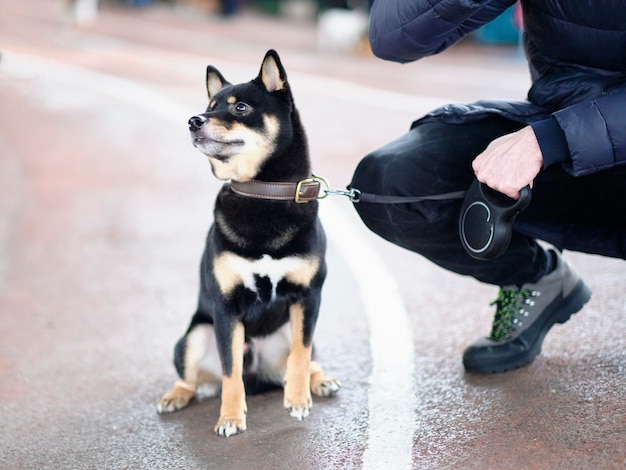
(298, 405)
(230, 425)
(179, 397)
(324, 386)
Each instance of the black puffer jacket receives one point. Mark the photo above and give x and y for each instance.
(577, 56)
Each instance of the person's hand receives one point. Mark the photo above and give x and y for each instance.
(510, 162)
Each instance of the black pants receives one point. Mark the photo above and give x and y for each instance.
(585, 213)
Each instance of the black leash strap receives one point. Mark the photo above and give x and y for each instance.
(358, 196)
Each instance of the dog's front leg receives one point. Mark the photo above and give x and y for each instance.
(233, 409)
(297, 376)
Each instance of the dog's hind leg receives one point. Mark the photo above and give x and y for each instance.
(198, 364)
(233, 409)
(321, 384)
(177, 398)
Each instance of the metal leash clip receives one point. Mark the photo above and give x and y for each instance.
(353, 194)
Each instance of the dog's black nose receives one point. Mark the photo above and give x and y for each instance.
(196, 122)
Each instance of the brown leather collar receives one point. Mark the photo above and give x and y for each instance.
(303, 191)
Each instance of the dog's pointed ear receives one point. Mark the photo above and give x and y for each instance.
(215, 81)
(272, 74)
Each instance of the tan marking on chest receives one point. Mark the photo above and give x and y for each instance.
(231, 270)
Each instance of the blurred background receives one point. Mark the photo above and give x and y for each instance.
(343, 21)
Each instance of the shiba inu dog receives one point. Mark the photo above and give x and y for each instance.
(263, 265)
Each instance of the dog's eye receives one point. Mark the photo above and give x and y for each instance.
(241, 107)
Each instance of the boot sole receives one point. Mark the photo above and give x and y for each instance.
(572, 304)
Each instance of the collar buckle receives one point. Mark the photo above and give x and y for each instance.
(310, 189)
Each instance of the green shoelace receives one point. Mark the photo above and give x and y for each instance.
(508, 305)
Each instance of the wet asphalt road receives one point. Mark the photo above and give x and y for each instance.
(103, 216)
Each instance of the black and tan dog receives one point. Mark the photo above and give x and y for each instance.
(263, 266)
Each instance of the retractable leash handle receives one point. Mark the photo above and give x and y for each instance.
(486, 220)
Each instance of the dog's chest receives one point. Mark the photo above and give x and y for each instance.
(262, 275)
(257, 274)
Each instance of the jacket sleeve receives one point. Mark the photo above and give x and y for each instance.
(595, 132)
(407, 30)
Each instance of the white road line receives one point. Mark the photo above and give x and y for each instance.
(391, 398)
